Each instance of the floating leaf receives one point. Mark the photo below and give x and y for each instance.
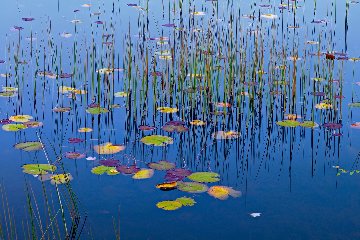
(61, 178)
(13, 127)
(175, 126)
(100, 170)
(169, 205)
(126, 170)
(33, 124)
(167, 109)
(29, 146)
(198, 123)
(162, 165)
(323, 105)
(221, 135)
(146, 128)
(186, 201)
(177, 174)
(62, 109)
(206, 177)
(222, 192)
(167, 186)
(309, 124)
(157, 140)
(192, 187)
(85, 130)
(96, 110)
(21, 118)
(121, 94)
(38, 169)
(108, 148)
(110, 162)
(354, 104)
(74, 155)
(143, 174)
(288, 123)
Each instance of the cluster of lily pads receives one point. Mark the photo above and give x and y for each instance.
(175, 178)
(44, 172)
(19, 122)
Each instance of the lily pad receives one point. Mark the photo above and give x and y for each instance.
(169, 205)
(62, 109)
(38, 169)
(108, 148)
(96, 110)
(29, 146)
(192, 187)
(33, 124)
(100, 170)
(221, 135)
(157, 140)
(143, 174)
(85, 130)
(127, 170)
(177, 174)
(13, 127)
(354, 104)
(186, 201)
(110, 162)
(204, 177)
(288, 123)
(61, 178)
(309, 124)
(162, 165)
(223, 192)
(121, 94)
(21, 118)
(74, 155)
(167, 109)
(175, 126)
(167, 186)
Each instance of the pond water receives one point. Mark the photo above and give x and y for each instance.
(248, 111)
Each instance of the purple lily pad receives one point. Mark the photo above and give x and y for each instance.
(28, 19)
(168, 25)
(99, 22)
(2, 61)
(74, 155)
(110, 162)
(177, 174)
(127, 170)
(132, 4)
(18, 28)
(65, 75)
(333, 125)
(5, 121)
(75, 140)
(146, 128)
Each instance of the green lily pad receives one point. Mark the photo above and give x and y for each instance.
(186, 201)
(29, 146)
(354, 104)
(169, 205)
(38, 169)
(162, 165)
(157, 140)
(13, 127)
(288, 123)
(97, 110)
(121, 94)
(100, 170)
(207, 177)
(192, 187)
(309, 124)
